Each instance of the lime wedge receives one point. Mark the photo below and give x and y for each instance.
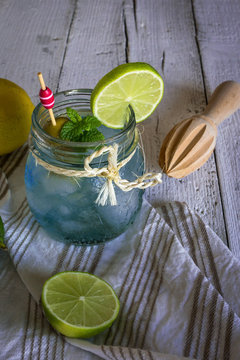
(79, 304)
(137, 84)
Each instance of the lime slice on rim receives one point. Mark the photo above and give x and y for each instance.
(137, 84)
(79, 304)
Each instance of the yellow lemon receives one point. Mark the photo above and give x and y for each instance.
(15, 116)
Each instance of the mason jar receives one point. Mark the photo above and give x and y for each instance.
(66, 203)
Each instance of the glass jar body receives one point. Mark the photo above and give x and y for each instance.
(65, 206)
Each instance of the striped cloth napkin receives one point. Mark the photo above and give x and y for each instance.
(178, 284)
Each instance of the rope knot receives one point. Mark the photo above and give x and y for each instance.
(113, 175)
(110, 173)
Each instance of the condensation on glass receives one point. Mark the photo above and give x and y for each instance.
(66, 206)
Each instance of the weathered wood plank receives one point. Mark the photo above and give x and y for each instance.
(218, 38)
(164, 36)
(96, 43)
(33, 36)
(104, 34)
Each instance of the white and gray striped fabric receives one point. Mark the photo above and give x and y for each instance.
(178, 284)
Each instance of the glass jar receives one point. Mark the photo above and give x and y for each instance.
(65, 206)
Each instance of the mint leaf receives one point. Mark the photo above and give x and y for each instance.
(2, 232)
(83, 129)
(92, 136)
(71, 131)
(90, 123)
(73, 115)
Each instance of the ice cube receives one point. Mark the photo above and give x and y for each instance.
(59, 184)
(64, 210)
(121, 214)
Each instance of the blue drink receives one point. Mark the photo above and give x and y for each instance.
(65, 206)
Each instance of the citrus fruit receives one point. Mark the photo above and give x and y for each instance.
(137, 84)
(15, 116)
(79, 304)
(54, 130)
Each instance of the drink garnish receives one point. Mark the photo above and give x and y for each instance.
(46, 98)
(136, 84)
(80, 128)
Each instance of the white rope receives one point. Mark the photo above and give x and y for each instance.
(111, 173)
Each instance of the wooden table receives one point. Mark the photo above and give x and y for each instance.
(193, 44)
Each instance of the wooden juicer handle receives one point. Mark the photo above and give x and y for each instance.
(224, 101)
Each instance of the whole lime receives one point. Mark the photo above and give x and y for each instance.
(16, 109)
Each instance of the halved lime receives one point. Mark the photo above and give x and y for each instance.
(79, 304)
(137, 84)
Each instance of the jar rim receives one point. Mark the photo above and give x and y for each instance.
(59, 142)
(69, 154)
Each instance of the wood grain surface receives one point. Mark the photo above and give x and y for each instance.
(218, 41)
(74, 43)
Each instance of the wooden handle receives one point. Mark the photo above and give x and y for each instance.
(224, 101)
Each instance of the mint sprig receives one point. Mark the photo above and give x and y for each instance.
(92, 136)
(73, 115)
(71, 131)
(83, 129)
(2, 233)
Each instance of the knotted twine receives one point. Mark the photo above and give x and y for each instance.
(111, 173)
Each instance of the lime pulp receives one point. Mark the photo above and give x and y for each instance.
(79, 304)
